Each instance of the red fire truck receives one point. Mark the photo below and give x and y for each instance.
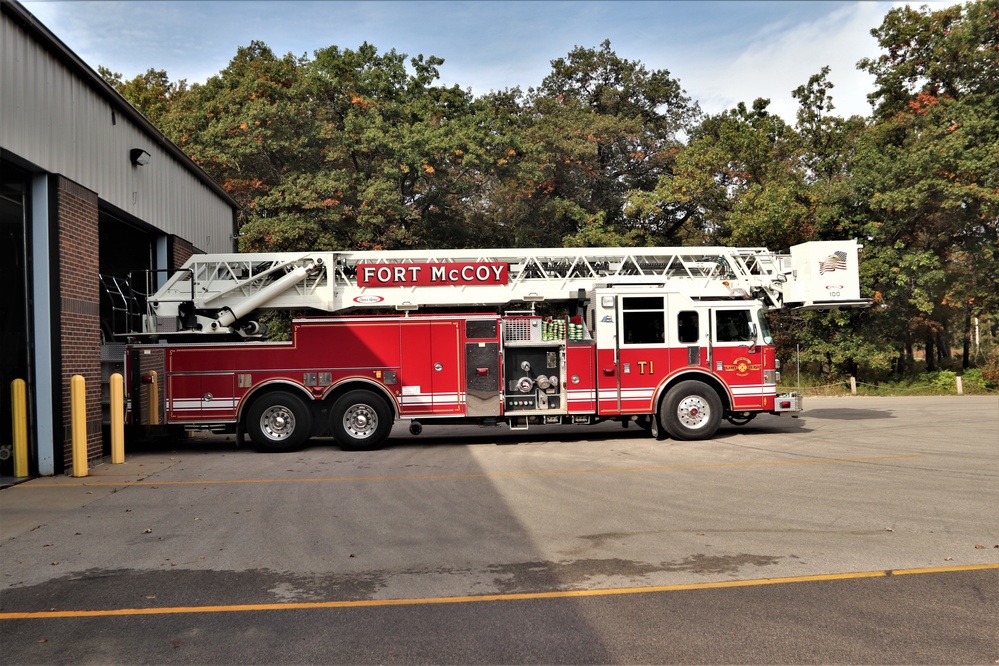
(674, 339)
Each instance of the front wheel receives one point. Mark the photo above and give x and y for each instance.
(279, 421)
(691, 410)
(360, 421)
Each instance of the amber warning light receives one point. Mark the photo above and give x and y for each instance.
(429, 275)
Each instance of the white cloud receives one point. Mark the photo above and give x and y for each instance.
(723, 53)
(780, 58)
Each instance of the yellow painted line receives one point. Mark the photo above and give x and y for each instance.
(426, 477)
(523, 596)
(928, 570)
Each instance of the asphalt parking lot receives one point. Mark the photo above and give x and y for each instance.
(866, 531)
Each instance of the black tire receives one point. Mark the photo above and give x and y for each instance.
(360, 420)
(279, 421)
(691, 411)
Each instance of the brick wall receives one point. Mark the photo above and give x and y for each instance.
(79, 309)
(150, 361)
(180, 251)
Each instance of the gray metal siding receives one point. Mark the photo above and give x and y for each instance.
(55, 120)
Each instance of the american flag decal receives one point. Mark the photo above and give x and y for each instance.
(834, 262)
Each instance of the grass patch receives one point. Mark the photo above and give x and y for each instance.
(943, 382)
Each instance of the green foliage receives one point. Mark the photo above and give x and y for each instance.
(740, 181)
(943, 381)
(394, 149)
(278, 325)
(975, 380)
(246, 127)
(152, 93)
(830, 342)
(951, 52)
(928, 170)
(598, 128)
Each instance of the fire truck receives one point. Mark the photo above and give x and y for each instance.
(673, 339)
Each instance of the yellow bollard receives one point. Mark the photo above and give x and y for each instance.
(78, 423)
(117, 419)
(19, 409)
(154, 399)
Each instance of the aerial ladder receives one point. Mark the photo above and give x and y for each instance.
(220, 293)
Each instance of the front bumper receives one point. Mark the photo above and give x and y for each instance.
(787, 403)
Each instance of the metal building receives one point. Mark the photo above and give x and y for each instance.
(88, 187)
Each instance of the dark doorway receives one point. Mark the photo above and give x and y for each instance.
(126, 253)
(14, 337)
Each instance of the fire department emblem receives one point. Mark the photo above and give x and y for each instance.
(742, 366)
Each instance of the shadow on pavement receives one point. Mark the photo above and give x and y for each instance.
(846, 414)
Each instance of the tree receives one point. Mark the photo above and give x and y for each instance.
(601, 126)
(398, 152)
(742, 181)
(949, 53)
(251, 128)
(349, 150)
(929, 168)
(152, 93)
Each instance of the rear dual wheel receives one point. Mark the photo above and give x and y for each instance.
(360, 420)
(279, 421)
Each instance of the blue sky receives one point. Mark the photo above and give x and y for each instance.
(722, 52)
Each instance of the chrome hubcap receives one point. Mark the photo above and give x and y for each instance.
(360, 421)
(693, 412)
(277, 422)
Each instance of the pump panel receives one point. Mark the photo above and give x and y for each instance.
(534, 378)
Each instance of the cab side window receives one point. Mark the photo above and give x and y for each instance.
(732, 325)
(687, 327)
(643, 320)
